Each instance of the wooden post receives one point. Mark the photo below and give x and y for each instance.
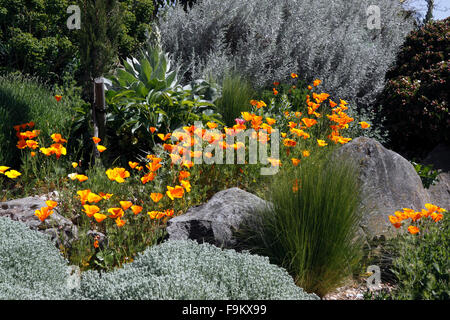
(98, 112)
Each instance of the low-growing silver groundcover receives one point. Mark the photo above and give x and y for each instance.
(31, 267)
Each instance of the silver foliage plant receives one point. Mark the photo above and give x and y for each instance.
(31, 267)
(267, 40)
(181, 270)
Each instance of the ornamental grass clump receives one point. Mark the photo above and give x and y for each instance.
(311, 229)
(187, 270)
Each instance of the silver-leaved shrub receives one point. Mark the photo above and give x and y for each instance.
(266, 40)
(31, 267)
(187, 270)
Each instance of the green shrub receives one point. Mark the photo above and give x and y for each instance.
(186, 270)
(34, 38)
(421, 262)
(235, 98)
(312, 231)
(31, 267)
(415, 98)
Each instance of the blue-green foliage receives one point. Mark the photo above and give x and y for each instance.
(31, 267)
(186, 270)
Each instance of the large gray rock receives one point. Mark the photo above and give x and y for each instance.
(389, 183)
(439, 191)
(215, 221)
(60, 229)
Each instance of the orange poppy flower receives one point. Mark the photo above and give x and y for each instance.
(58, 97)
(32, 144)
(212, 125)
(164, 137)
(132, 164)
(275, 91)
(117, 174)
(58, 138)
(413, 229)
(125, 204)
(99, 217)
(309, 122)
(43, 213)
(90, 210)
(51, 204)
(120, 222)
(276, 83)
(96, 140)
(316, 82)
(175, 192)
(306, 153)
(101, 148)
(115, 212)
(364, 124)
(96, 244)
(169, 212)
(294, 75)
(270, 121)
(105, 196)
(184, 175)
(152, 129)
(94, 198)
(32, 153)
(289, 143)
(148, 177)
(21, 144)
(83, 195)
(295, 161)
(156, 214)
(136, 209)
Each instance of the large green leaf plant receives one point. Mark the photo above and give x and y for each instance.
(145, 93)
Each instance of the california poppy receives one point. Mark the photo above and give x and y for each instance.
(136, 209)
(125, 204)
(175, 192)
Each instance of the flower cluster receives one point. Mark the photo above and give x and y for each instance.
(433, 212)
(45, 212)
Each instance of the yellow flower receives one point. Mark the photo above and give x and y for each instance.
(186, 185)
(306, 153)
(101, 148)
(3, 169)
(12, 174)
(321, 143)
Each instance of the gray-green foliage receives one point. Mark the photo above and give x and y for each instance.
(31, 267)
(267, 40)
(186, 270)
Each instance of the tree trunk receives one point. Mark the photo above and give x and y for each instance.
(98, 112)
(429, 15)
